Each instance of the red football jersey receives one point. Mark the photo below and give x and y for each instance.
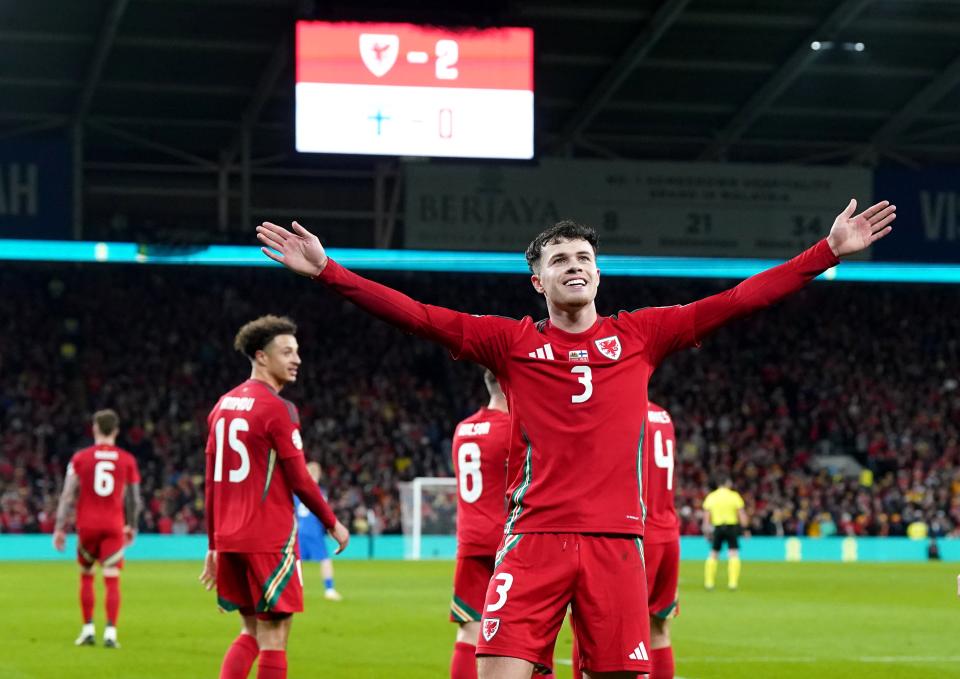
(251, 429)
(480, 447)
(659, 454)
(578, 401)
(103, 473)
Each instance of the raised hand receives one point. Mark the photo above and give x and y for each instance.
(853, 233)
(299, 250)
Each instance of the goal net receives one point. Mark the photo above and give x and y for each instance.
(428, 514)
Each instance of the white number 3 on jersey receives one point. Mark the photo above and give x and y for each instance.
(586, 380)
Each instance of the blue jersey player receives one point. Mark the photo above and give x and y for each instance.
(311, 534)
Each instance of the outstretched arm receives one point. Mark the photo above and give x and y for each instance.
(687, 325)
(67, 498)
(464, 335)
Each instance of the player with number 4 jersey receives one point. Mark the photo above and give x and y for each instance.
(576, 384)
(480, 447)
(661, 538)
(255, 465)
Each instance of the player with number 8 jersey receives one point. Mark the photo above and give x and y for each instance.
(480, 447)
(576, 384)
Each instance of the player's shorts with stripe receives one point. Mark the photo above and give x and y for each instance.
(103, 546)
(313, 548)
(261, 583)
(538, 574)
(663, 570)
(728, 534)
(470, 587)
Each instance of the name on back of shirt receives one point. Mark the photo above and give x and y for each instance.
(474, 429)
(658, 416)
(237, 403)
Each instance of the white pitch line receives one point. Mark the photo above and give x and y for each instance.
(810, 659)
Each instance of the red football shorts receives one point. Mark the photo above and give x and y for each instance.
(470, 587)
(103, 546)
(261, 583)
(538, 574)
(663, 569)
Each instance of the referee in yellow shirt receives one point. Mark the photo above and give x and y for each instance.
(723, 518)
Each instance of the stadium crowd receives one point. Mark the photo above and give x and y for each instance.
(864, 371)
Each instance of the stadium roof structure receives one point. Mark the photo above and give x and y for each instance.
(163, 92)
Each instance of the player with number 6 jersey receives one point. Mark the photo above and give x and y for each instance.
(480, 447)
(107, 481)
(255, 465)
(576, 384)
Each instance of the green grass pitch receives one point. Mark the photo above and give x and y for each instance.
(787, 620)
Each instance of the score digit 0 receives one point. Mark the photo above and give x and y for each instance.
(445, 123)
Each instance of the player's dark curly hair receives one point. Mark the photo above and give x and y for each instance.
(258, 333)
(561, 231)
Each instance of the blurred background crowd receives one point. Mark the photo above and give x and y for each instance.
(835, 413)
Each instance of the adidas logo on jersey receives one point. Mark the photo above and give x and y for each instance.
(639, 653)
(545, 352)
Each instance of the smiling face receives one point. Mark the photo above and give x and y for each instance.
(567, 274)
(279, 359)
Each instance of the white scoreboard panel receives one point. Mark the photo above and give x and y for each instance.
(401, 89)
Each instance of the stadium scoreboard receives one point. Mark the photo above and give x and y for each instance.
(409, 90)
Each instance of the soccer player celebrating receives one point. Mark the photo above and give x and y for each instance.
(723, 519)
(255, 465)
(313, 546)
(107, 481)
(576, 384)
(661, 542)
(481, 444)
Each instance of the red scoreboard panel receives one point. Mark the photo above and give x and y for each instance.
(407, 90)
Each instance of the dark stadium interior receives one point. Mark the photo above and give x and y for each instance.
(761, 398)
(164, 93)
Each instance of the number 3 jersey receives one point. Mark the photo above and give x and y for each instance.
(659, 474)
(103, 473)
(480, 447)
(251, 429)
(577, 401)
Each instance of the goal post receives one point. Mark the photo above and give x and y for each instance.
(428, 514)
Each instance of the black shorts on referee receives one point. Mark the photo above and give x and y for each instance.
(728, 534)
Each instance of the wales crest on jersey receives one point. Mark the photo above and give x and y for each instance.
(609, 347)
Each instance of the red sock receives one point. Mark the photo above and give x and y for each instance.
(86, 597)
(112, 585)
(273, 665)
(577, 674)
(239, 658)
(463, 664)
(662, 661)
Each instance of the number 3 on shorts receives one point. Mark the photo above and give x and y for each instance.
(502, 591)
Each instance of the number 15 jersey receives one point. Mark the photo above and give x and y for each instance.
(251, 429)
